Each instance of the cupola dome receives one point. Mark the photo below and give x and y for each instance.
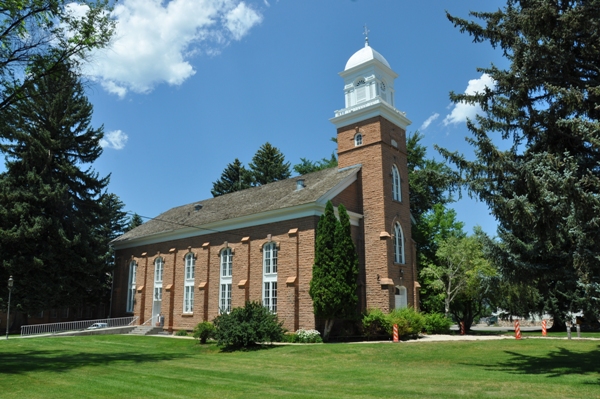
(363, 55)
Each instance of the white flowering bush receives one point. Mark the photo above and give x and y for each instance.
(308, 336)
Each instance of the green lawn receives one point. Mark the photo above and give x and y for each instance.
(154, 367)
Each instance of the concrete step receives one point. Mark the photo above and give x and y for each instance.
(147, 330)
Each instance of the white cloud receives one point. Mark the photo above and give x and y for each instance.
(115, 139)
(154, 41)
(428, 121)
(240, 20)
(462, 111)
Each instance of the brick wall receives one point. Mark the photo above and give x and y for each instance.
(295, 240)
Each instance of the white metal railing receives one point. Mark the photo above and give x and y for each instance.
(53, 328)
(155, 318)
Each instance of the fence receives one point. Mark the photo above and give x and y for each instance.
(53, 328)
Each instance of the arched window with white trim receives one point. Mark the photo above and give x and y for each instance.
(270, 276)
(159, 266)
(358, 139)
(396, 184)
(131, 286)
(188, 286)
(398, 244)
(225, 283)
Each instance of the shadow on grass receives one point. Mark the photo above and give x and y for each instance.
(253, 348)
(61, 361)
(557, 363)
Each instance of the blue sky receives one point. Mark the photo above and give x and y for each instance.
(189, 85)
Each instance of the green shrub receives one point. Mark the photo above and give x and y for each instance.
(375, 323)
(248, 326)
(181, 333)
(437, 323)
(204, 331)
(410, 323)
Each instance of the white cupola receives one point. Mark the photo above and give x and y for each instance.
(368, 83)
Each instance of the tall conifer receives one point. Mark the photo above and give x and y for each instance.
(268, 165)
(54, 214)
(235, 177)
(333, 285)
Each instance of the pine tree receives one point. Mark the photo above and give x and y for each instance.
(135, 221)
(335, 271)
(268, 165)
(544, 190)
(235, 177)
(54, 220)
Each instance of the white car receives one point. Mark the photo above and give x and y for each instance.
(96, 326)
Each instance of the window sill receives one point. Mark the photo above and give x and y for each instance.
(187, 314)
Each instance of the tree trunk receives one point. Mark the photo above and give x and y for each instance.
(327, 329)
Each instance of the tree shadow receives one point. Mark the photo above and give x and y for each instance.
(559, 362)
(61, 361)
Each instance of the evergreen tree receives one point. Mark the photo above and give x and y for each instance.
(55, 220)
(307, 166)
(544, 190)
(235, 177)
(135, 221)
(333, 285)
(268, 165)
(346, 260)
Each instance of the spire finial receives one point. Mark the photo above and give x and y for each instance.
(366, 33)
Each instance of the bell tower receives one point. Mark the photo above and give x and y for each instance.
(372, 132)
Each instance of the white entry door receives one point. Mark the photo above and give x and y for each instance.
(401, 301)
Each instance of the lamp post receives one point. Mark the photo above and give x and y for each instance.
(10, 286)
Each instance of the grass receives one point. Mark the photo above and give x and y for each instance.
(153, 367)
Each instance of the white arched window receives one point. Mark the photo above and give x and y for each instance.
(131, 286)
(270, 276)
(358, 139)
(398, 244)
(188, 286)
(226, 272)
(396, 187)
(401, 300)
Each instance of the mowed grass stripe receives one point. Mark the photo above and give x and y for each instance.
(152, 367)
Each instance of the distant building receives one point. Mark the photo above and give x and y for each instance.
(196, 260)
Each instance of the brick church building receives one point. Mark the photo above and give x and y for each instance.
(196, 260)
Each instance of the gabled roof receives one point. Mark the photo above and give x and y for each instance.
(246, 206)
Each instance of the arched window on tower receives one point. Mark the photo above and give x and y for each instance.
(358, 139)
(398, 244)
(188, 285)
(131, 286)
(226, 273)
(396, 184)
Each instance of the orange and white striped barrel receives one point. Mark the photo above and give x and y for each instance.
(395, 332)
(517, 330)
(544, 331)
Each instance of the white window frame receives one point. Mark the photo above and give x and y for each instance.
(131, 286)
(358, 139)
(398, 244)
(226, 280)
(159, 267)
(188, 284)
(270, 276)
(396, 184)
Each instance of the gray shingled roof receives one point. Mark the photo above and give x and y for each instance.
(273, 196)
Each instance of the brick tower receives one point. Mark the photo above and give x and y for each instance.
(372, 132)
